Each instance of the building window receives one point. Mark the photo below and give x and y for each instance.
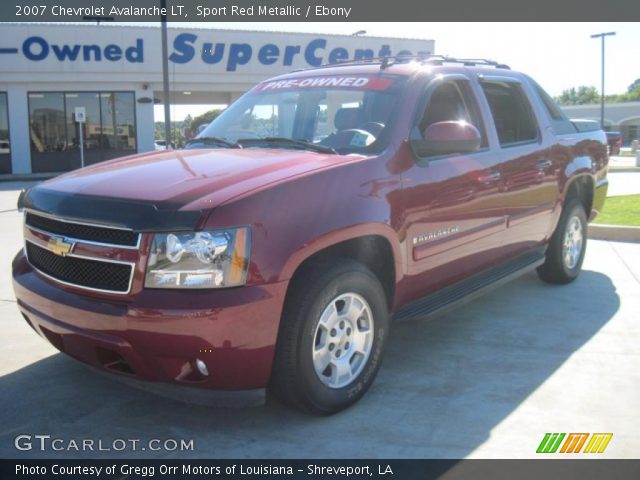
(5, 146)
(109, 130)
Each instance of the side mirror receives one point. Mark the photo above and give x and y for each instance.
(444, 138)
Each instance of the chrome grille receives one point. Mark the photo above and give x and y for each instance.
(91, 257)
(93, 274)
(82, 231)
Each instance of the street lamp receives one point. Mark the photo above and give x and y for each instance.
(358, 33)
(601, 36)
(165, 75)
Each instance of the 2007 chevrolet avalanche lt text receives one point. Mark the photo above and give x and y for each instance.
(275, 250)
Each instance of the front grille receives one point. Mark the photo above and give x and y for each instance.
(81, 272)
(82, 232)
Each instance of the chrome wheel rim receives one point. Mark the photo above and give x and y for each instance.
(573, 241)
(343, 340)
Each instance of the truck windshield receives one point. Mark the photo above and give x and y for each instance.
(325, 114)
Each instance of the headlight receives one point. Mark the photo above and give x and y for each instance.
(208, 259)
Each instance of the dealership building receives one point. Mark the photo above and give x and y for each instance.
(115, 73)
(621, 117)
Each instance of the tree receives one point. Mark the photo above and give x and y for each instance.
(585, 95)
(177, 132)
(580, 96)
(634, 87)
(186, 123)
(187, 131)
(206, 117)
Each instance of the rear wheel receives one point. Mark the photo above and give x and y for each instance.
(332, 336)
(567, 246)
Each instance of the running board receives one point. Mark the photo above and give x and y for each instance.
(471, 288)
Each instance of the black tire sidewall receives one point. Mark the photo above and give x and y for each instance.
(575, 210)
(327, 399)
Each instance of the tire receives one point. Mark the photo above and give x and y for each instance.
(563, 263)
(316, 316)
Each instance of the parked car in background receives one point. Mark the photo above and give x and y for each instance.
(276, 249)
(162, 145)
(614, 140)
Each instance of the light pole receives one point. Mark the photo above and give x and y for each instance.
(165, 77)
(602, 36)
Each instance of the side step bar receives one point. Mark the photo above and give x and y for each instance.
(471, 288)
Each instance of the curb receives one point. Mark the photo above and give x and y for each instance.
(614, 233)
(622, 168)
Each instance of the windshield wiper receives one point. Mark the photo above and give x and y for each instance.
(284, 141)
(213, 141)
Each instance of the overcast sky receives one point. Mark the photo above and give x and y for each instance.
(557, 55)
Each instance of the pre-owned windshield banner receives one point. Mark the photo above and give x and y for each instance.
(333, 81)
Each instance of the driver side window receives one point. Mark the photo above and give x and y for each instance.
(453, 101)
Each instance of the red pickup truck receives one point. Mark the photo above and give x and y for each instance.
(277, 249)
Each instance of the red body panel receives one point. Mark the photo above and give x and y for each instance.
(443, 220)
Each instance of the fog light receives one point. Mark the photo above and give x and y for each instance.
(202, 367)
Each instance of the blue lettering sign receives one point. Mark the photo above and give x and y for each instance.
(183, 44)
(290, 51)
(28, 50)
(310, 52)
(239, 54)
(37, 48)
(268, 54)
(88, 50)
(211, 54)
(65, 51)
(185, 48)
(385, 51)
(338, 55)
(135, 54)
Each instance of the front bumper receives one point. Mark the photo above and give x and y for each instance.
(159, 334)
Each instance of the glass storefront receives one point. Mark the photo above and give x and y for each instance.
(109, 130)
(5, 146)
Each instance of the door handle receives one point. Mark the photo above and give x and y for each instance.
(489, 178)
(543, 164)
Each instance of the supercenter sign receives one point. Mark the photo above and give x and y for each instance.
(109, 48)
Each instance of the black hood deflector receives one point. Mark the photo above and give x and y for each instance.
(135, 215)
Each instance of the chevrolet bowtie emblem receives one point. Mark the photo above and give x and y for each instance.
(58, 246)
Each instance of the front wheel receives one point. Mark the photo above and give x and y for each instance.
(332, 336)
(567, 246)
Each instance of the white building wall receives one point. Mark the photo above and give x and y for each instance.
(18, 127)
(145, 127)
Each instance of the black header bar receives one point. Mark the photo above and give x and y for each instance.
(547, 469)
(318, 10)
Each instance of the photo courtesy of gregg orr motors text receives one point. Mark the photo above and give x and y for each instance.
(184, 470)
(48, 443)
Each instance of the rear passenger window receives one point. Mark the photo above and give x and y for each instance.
(511, 112)
(559, 122)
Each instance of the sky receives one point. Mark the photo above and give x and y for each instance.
(557, 55)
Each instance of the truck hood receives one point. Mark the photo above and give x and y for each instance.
(150, 191)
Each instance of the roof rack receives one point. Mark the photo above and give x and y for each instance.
(386, 62)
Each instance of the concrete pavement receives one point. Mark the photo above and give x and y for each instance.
(623, 183)
(623, 162)
(487, 380)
